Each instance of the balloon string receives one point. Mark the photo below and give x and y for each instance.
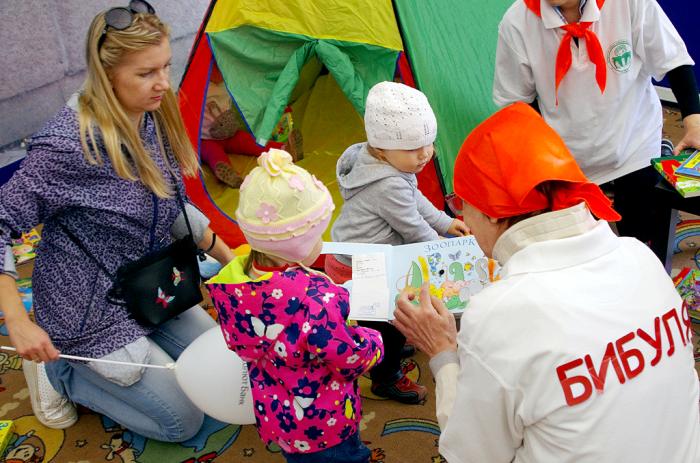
(167, 366)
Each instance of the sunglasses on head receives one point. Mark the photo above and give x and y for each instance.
(121, 17)
(455, 204)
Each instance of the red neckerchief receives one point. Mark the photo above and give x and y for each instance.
(578, 30)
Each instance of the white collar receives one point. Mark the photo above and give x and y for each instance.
(554, 225)
(551, 19)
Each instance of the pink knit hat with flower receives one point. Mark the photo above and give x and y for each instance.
(283, 210)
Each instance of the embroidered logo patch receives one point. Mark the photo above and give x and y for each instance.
(177, 276)
(163, 299)
(620, 56)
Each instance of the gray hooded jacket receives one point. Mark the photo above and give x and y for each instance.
(382, 204)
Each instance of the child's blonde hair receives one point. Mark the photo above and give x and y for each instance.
(376, 153)
(257, 257)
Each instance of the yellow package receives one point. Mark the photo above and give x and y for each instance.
(5, 434)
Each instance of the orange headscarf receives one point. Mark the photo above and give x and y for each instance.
(508, 155)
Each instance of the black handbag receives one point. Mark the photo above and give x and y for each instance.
(160, 285)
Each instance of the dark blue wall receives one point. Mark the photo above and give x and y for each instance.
(685, 15)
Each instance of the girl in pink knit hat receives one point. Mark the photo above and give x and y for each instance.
(290, 323)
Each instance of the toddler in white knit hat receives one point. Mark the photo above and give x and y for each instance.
(384, 205)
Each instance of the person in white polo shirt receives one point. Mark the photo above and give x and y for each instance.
(586, 65)
(581, 352)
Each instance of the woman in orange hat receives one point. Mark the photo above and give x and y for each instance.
(582, 351)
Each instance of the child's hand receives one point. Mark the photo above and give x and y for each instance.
(458, 228)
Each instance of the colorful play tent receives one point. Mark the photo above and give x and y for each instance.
(320, 59)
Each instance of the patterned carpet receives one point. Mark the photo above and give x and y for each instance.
(394, 432)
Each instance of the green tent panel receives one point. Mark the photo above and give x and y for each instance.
(280, 58)
(451, 45)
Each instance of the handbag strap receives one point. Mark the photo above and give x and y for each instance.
(184, 211)
(168, 166)
(152, 230)
(112, 277)
(180, 201)
(200, 253)
(154, 221)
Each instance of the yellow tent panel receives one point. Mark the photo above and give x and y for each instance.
(325, 19)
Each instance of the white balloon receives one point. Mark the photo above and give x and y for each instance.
(216, 379)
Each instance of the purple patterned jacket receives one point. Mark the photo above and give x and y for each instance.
(110, 215)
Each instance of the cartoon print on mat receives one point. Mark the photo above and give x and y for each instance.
(377, 455)
(415, 425)
(120, 448)
(211, 442)
(454, 276)
(411, 424)
(28, 448)
(8, 362)
(31, 442)
(206, 458)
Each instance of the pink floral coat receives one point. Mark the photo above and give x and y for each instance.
(303, 358)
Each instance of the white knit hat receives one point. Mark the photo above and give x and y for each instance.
(398, 117)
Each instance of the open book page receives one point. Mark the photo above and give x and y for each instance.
(369, 297)
(456, 269)
(369, 287)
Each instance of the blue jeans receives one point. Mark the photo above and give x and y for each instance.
(154, 406)
(351, 450)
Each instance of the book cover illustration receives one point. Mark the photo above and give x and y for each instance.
(691, 166)
(667, 166)
(687, 283)
(6, 428)
(24, 248)
(456, 269)
(24, 286)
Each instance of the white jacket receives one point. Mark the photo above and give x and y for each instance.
(571, 294)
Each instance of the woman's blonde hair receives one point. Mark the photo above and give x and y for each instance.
(100, 108)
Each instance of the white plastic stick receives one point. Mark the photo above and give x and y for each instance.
(167, 366)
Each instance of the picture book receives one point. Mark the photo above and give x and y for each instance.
(6, 428)
(24, 248)
(691, 166)
(687, 283)
(456, 269)
(24, 286)
(667, 166)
